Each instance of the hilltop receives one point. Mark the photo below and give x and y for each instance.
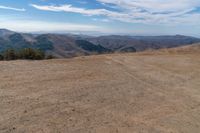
(125, 93)
(189, 49)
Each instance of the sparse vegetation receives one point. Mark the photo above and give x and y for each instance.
(25, 54)
(1, 57)
(50, 57)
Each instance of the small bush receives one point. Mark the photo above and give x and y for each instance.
(10, 54)
(1, 57)
(50, 57)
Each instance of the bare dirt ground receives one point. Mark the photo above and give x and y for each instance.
(121, 93)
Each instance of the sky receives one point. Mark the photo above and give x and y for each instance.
(130, 17)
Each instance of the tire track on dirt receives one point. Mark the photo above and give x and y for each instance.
(128, 72)
(159, 90)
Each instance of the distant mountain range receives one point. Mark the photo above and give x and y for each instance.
(68, 45)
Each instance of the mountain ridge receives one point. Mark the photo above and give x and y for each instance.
(70, 45)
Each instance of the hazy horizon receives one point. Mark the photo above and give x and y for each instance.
(95, 34)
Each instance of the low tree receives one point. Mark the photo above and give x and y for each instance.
(10, 54)
(31, 54)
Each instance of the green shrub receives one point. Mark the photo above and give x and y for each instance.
(26, 53)
(1, 57)
(31, 54)
(10, 54)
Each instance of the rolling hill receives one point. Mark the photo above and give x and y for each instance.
(189, 49)
(67, 45)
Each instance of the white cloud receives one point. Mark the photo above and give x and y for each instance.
(140, 11)
(101, 20)
(12, 8)
(36, 26)
(70, 8)
(155, 5)
(158, 11)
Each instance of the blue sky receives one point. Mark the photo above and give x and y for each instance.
(132, 17)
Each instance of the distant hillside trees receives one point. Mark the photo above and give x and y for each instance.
(88, 46)
(43, 43)
(26, 54)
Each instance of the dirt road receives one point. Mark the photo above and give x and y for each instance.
(124, 93)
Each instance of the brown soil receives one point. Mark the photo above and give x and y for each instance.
(120, 93)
